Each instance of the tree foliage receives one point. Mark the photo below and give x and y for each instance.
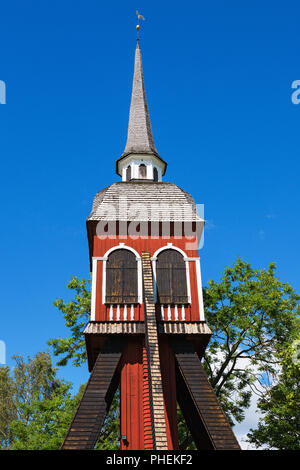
(279, 427)
(109, 438)
(185, 438)
(76, 314)
(253, 316)
(36, 407)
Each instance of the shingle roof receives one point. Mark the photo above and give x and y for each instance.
(139, 136)
(144, 201)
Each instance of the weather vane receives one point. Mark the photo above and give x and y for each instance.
(140, 17)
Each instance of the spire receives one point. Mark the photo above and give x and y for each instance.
(139, 136)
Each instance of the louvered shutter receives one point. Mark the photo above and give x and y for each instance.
(171, 278)
(121, 278)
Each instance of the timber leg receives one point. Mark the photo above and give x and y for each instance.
(198, 402)
(96, 400)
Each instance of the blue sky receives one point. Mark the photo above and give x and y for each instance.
(218, 80)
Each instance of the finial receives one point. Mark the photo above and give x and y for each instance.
(140, 17)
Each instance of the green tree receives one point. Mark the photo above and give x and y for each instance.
(109, 438)
(279, 427)
(253, 316)
(8, 410)
(36, 407)
(76, 314)
(185, 438)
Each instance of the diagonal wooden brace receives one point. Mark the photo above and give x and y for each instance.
(203, 414)
(96, 400)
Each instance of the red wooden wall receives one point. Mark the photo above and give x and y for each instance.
(101, 246)
(135, 405)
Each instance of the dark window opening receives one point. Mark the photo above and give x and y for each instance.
(171, 278)
(128, 173)
(142, 171)
(121, 278)
(155, 174)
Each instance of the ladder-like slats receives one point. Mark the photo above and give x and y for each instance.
(154, 372)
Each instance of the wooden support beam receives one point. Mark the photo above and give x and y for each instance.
(191, 415)
(204, 416)
(96, 400)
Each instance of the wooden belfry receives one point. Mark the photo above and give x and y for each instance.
(147, 331)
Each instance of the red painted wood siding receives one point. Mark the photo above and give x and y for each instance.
(132, 396)
(167, 363)
(101, 246)
(136, 422)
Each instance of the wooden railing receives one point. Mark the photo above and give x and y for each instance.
(177, 312)
(123, 312)
(135, 312)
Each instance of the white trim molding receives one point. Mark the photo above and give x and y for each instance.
(200, 293)
(170, 246)
(94, 289)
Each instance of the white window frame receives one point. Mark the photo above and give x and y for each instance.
(105, 258)
(187, 269)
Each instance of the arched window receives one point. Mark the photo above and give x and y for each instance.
(171, 278)
(121, 278)
(128, 173)
(142, 171)
(155, 174)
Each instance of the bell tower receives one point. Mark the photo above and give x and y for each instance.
(147, 331)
